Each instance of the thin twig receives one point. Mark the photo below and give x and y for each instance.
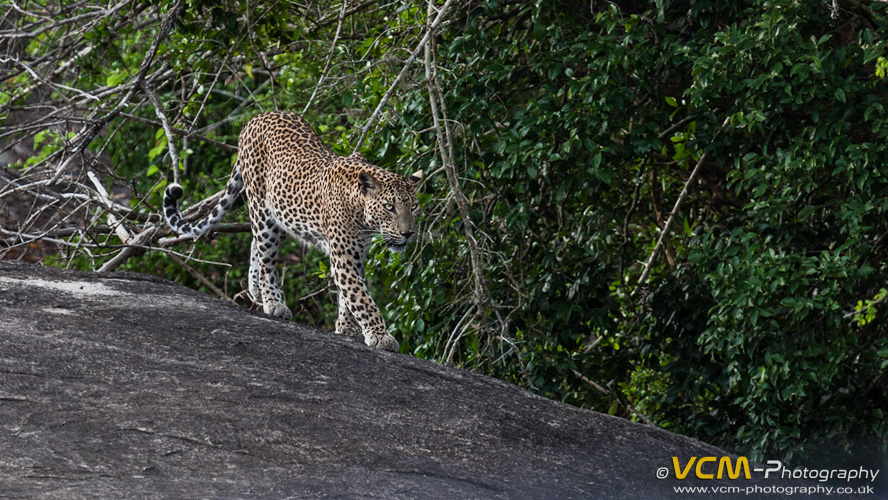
(141, 239)
(675, 127)
(209, 284)
(186, 134)
(862, 311)
(351, 11)
(664, 234)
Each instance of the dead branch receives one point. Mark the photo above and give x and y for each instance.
(664, 234)
(481, 294)
(131, 249)
(171, 141)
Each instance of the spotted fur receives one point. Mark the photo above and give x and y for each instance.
(297, 187)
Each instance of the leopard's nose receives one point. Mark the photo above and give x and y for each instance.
(407, 234)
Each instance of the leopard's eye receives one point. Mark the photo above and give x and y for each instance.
(415, 207)
(389, 207)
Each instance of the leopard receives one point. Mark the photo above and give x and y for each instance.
(297, 187)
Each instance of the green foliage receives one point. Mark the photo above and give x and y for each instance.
(865, 312)
(746, 340)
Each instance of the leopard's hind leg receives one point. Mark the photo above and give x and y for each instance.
(267, 237)
(254, 289)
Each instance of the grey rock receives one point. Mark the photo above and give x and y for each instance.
(129, 386)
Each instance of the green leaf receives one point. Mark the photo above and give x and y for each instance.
(323, 271)
(805, 212)
(596, 160)
(840, 95)
(115, 79)
(156, 151)
(40, 137)
(539, 32)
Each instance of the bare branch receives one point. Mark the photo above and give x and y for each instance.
(481, 293)
(132, 248)
(209, 284)
(105, 13)
(185, 133)
(607, 392)
(121, 231)
(322, 24)
(664, 234)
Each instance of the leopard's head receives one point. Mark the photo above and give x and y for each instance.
(390, 205)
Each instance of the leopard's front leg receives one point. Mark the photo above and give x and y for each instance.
(355, 297)
(346, 324)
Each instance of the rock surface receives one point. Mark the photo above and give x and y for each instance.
(128, 386)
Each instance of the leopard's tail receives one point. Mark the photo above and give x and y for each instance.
(174, 218)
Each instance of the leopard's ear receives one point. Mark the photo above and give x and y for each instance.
(415, 177)
(357, 155)
(366, 182)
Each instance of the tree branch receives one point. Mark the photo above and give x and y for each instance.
(322, 24)
(209, 284)
(445, 148)
(607, 392)
(171, 141)
(184, 133)
(86, 137)
(132, 248)
(664, 234)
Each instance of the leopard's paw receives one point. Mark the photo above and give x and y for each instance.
(278, 310)
(349, 332)
(385, 342)
(348, 328)
(254, 294)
